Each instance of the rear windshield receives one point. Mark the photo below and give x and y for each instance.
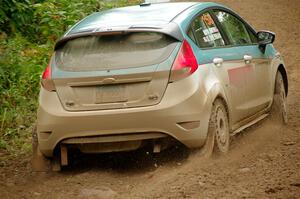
(114, 51)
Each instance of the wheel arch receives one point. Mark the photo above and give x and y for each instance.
(220, 97)
(218, 92)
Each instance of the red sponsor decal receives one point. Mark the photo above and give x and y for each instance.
(237, 75)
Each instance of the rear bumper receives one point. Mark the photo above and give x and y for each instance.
(183, 101)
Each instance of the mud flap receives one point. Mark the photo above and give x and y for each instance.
(39, 162)
(63, 155)
(207, 149)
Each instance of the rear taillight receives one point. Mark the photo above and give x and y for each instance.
(46, 80)
(185, 63)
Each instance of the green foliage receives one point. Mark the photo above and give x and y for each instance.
(14, 14)
(46, 20)
(21, 64)
(28, 30)
(53, 17)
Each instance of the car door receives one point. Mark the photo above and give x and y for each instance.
(256, 64)
(224, 62)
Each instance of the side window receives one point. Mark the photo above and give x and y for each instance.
(235, 30)
(191, 35)
(205, 33)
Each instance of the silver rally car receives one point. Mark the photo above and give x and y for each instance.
(149, 74)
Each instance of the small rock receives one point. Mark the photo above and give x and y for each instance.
(289, 143)
(175, 187)
(201, 184)
(244, 170)
(246, 192)
(37, 193)
(270, 190)
(178, 163)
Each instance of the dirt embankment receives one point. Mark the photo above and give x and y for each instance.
(264, 161)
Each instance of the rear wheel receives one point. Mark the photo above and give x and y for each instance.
(218, 136)
(279, 106)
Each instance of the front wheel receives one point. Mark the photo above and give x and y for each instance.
(279, 106)
(218, 136)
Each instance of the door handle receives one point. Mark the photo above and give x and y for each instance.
(248, 59)
(218, 61)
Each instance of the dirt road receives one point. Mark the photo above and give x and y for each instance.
(264, 161)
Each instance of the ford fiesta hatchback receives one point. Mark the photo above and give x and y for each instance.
(149, 74)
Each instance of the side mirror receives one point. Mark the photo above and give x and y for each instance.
(265, 38)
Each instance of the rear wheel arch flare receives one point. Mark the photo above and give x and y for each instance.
(282, 70)
(217, 92)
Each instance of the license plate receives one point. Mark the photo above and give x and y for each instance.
(110, 94)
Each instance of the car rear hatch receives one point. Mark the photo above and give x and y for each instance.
(113, 71)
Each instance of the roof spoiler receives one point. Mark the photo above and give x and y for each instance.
(170, 29)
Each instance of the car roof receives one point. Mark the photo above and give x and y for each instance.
(141, 15)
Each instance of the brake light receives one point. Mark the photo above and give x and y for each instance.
(47, 73)
(46, 80)
(185, 63)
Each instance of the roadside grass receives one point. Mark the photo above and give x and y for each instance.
(23, 57)
(21, 65)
